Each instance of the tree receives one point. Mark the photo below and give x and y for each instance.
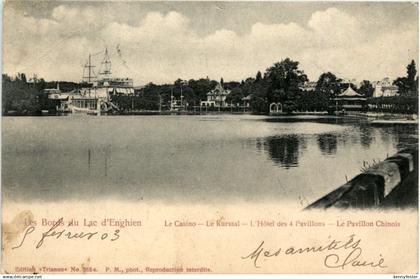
(21, 77)
(258, 77)
(402, 85)
(250, 80)
(201, 87)
(19, 96)
(328, 84)
(313, 101)
(256, 88)
(412, 79)
(366, 89)
(285, 78)
(231, 84)
(235, 96)
(411, 76)
(6, 78)
(408, 86)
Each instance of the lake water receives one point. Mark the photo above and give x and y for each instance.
(197, 159)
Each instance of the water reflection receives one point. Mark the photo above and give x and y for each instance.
(327, 143)
(284, 150)
(366, 136)
(401, 136)
(186, 159)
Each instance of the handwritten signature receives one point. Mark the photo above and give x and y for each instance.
(52, 232)
(331, 260)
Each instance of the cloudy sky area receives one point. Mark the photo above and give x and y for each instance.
(163, 41)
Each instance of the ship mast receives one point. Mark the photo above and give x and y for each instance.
(90, 73)
(172, 97)
(106, 65)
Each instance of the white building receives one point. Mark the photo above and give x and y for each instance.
(54, 93)
(216, 97)
(384, 88)
(308, 86)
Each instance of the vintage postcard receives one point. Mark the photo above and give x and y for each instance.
(209, 137)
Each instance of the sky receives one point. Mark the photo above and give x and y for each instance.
(160, 42)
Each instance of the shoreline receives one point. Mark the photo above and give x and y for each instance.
(374, 118)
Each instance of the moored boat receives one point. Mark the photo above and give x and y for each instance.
(96, 99)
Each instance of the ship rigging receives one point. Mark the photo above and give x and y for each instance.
(97, 97)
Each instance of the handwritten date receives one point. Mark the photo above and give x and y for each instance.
(63, 233)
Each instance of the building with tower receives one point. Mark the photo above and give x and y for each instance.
(216, 97)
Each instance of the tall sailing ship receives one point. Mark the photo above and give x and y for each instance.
(98, 97)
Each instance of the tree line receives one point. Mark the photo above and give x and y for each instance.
(282, 82)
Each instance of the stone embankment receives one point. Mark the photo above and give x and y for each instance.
(390, 183)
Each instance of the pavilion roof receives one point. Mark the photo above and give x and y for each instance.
(349, 92)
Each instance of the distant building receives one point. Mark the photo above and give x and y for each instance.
(216, 97)
(308, 86)
(384, 88)
(55, 93)
(246, 100)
